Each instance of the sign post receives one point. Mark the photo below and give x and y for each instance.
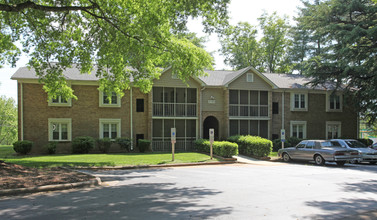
(173, 140)
(211, 140)
(282, 137)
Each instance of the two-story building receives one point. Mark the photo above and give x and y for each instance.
(232, 102)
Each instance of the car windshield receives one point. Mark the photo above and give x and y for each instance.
(355, 144)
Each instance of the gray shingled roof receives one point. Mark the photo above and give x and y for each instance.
(214, 78)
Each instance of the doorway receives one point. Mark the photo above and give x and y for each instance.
(210, 122)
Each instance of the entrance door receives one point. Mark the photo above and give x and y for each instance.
(210, 122)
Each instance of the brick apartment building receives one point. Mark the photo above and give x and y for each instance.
(231, 102)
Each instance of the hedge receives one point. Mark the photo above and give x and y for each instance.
(252, 145)
(220, 148)
(23, 147)
(82, 145)
(144, 145)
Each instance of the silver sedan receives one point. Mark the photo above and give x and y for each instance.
(320, 151)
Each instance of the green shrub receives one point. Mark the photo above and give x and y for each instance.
(124, 143)
(82, 145)
(289, 142)
(23, 147)
(51, 147)
(144, 145)
(252, 145)
(220, 148)
(104, 144)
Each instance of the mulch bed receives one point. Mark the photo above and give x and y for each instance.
(14, 176)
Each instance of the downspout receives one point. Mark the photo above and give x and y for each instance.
(282, 109)
(131, 119)
(22, 111)
(201, 112)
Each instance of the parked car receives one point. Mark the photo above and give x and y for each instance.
(373, 146)
(320, 151)
(366, 154)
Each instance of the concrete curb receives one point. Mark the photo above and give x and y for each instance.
(154, 166)
(94, 182)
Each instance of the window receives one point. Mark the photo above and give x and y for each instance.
(139, 105)
(106, 101)
(59, 101)
(333, 129)
(109, 128)
(334, 102)
(250, 77)
(275, 108)
(244, 103)
(59, 129)
(299, 101)
(245, 127)
(298, 129)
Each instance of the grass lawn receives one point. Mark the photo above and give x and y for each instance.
(273, 154)
(121, 159)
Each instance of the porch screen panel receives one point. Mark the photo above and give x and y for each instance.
(180, 127)
(169, 95)
(233, 124)
(233, 96)
(157, 128)
(254, 98)
(157, 94)
(244, 127)
(263, 97)
(180, 95)
(191, 128)
(168, 124)
(254, 128)
(191, 95)
(263, 129)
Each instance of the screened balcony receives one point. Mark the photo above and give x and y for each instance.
(174, 102)
(245, 103)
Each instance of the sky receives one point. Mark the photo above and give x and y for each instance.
(239, 10)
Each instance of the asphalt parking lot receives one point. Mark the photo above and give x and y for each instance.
(237, 191)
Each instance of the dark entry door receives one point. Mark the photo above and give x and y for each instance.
(210, 122)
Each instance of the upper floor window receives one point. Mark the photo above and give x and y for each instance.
(334, 102)
(109, 101)
(244, 103)
(250, 77)
(59, 101)
(59, 129)
(299, 101)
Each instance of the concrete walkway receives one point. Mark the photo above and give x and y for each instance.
(250, 160)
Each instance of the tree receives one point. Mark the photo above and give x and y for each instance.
(350, 55)
(109, 35)
(8, 120)
(275, 42)
(240, 46)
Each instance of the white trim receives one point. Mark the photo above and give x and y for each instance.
(292, 123)
(60, 104)
(293, 101)
(109, 121)
(331, 123)
(131, 119)
(101, 104)
(328, 95)
(68, 121)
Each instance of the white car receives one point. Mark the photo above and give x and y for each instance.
(367, 154)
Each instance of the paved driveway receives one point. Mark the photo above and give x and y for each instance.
(239, 191)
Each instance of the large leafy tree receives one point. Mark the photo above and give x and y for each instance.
(8, 120)
(108, 35)
(350, 55)
(241, 47)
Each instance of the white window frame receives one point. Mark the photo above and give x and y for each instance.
(303, 123)
(60, 103)
(293, 108)
(328, 99)
(67, 121)
(249, 77)
(103, 121)
(331, 123)
(102, 104)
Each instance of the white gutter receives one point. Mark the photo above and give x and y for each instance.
(282, 110)
(201, 112)
(132, 146)
(22, 111)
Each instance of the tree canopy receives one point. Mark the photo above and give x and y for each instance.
(109, 35)
(8, 120)
(348, 51)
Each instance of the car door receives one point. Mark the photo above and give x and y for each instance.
(298, 152)
(308, 151)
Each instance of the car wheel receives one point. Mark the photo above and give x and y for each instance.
(353, 161)
(286, 157)
(372, 162)
(318, 159)
(340, 163)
